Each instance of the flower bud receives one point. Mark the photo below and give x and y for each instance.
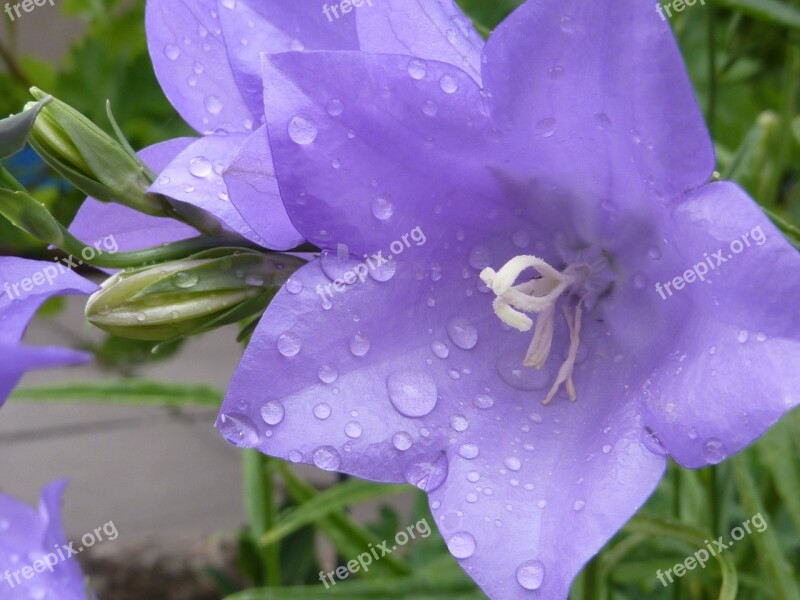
(181, 298)
(91, 160)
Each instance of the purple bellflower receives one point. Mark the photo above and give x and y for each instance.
(26, 285)
(521, 306)
(35, 561)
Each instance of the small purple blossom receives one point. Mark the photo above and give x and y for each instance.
(26, 285)
(29, 537)
(520, 367)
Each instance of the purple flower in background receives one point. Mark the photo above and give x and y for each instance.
(488, 318)
(33, 560)
(26, 285)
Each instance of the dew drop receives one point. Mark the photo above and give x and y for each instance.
(714, 451)
(462, 545)
(412, 393)
(545, 128)
(382, 208)
(359, 345)
(327, 458)
(327, 374)
(294, 286)
(462, 333)
(440, 350)
(468, 451)
(272, 412)
(172, 52)
(185, 280)
(200, 167)
(530, 574)
(579, 505)
(417, 69)
(484, 402)
(459, 423)
(322, 411)
(402, 441)
(449, 84)
(238, 430)
(480, 257)
(335, 107)
(289, 344)
(521, 239)
(353, 429)
(213, 105)
(512, 463)
(302, 130)
(430, 108)
(743, 336)
(514, 373)
(428, 475)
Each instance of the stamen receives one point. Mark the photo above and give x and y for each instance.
(538, 296)
(565, 372)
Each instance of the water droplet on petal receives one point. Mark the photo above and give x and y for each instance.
(440, 350)
(513, 463)
(462, 545)
(294, 286)
(335, 107)
(484, 402)
(382, 208)
(412, 393)
(289, 344)
(518, 376)
(302, 130)
(213, 105)
(449, 84)
(468, 451)
(521, 239)
(530, 574)
(200, 167)
(327, 458)
(402, 440)
(353, 429)
(359, 345)
(428, 475)
(480, 257)
(327, 374)
(462, 333)
(714, 451)
(430, 108)
(545, 128)
(272, 412)
(459, 423)
(172, 52)
(238, 430)
(579, 505)
(322, 411)
(743, 336)
(417, 69)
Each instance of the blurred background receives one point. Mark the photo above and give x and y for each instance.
(173, 487)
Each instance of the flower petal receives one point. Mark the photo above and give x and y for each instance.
(366, 146)
(594, 99)
(550, 490)
(253, 27)
(16, 360)
(191, 62)
(253, 190)
(732, 367)
(131, 229)
(429, 29)
(195, 177)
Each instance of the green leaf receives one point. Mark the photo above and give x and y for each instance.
(776, 452)
(778, 572)
(124, 391)
(646, 524)
(14, 130)
(772, 11)
(348, 493)
(350, 537)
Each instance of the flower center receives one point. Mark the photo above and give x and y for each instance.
(539, 296)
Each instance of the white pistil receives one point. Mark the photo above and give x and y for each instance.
(538, 296)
